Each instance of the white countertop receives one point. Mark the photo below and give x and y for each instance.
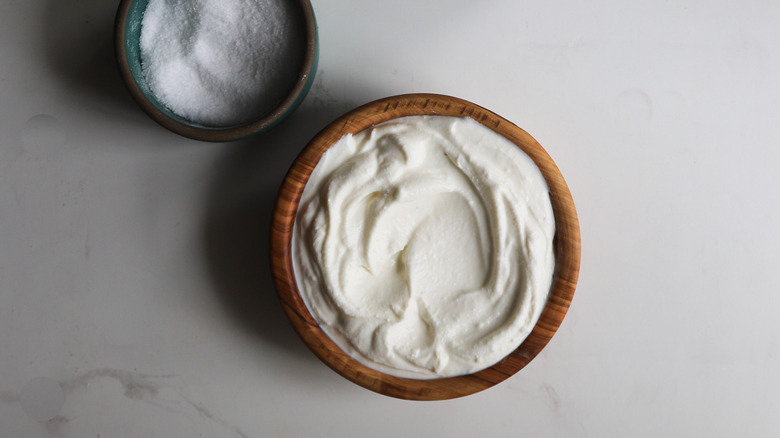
(135, 294)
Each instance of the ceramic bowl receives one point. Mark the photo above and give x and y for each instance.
(566, 247)
(127, 31)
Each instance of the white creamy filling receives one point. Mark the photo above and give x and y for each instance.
(424, 246)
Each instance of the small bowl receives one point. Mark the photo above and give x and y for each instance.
(127, 32)
(566, 246)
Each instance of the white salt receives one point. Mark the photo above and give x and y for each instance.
(221, 63)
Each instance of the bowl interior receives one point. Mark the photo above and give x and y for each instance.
(127, 45)
(566, 245)
(133, 50)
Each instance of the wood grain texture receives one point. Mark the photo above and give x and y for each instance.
(566, 245)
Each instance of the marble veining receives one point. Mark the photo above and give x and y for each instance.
(164, 391)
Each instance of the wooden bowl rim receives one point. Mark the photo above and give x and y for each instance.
(566, 242)
(305, 78)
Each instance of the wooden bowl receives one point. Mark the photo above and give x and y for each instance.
(127, 32)
(566, 246)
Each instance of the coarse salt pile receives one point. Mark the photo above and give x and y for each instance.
(221, 63)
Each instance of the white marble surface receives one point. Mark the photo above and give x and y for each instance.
(135, 298)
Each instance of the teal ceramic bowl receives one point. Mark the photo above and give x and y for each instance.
(127, 32)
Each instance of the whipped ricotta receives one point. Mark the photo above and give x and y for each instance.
(423, 246)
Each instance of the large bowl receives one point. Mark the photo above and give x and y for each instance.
(127, 32)
(566, 246)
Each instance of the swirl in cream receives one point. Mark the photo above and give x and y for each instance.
(424, 246)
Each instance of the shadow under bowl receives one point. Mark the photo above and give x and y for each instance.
(127, 33)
